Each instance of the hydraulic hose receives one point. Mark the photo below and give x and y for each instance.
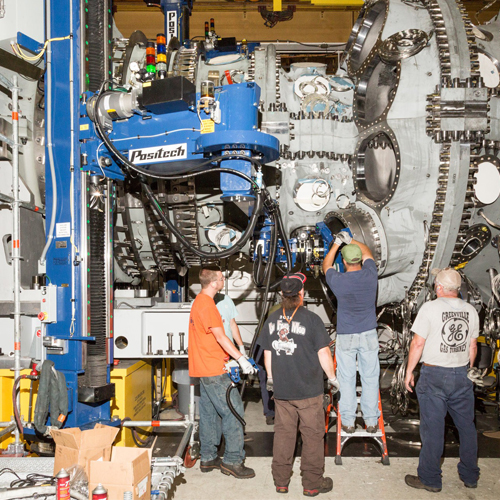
(231, 407)
(200, 253)
(257, 266)
(259, 282)
(284, 238)
(138, 441)
(17, 416)
(267, 284)
(14, 403)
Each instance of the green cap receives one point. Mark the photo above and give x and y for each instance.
(351, 254)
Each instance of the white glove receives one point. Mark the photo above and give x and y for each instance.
(343, 237)
(474, 375)
(333, 385)
(270, 385)
(242, 350)
(245, 366)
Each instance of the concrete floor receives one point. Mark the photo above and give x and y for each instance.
(356, 479)
(359, 478)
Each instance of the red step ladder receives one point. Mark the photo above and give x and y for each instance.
(343, 437)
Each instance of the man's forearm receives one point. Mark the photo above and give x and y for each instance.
(267, 363)
(326, 362)
(415, 354)
(236, 333)
(330, 257)
(366, 253)
(228, 346)
(472, 352)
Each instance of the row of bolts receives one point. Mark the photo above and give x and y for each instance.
(181, 350)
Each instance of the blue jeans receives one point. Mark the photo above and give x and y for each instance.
(267, 402)
(363, 347)
(216, 419)
(441, 390)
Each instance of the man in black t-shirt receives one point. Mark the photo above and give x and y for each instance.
(296, 352)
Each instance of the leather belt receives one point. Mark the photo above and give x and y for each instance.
(427, 364)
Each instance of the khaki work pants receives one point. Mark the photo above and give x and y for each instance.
(309, 416)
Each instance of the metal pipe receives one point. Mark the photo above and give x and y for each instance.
(191, 403)
(16, 235)
(155, 423)
(191, 411)
(184, 441)
(8, 429)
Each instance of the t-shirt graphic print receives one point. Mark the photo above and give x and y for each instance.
(283, 343)
(455, 331)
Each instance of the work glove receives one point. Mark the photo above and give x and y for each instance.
(270, 385)
(474, 374)
(333, 385)
(246, 366)
(242, 350)
(343, 237)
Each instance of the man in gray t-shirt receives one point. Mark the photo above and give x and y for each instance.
(445, 341)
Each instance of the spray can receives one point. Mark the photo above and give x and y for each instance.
(100, 493)
(62, 486)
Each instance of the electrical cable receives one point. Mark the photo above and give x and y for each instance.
(48, 98)
(19, 53)
(37, 491)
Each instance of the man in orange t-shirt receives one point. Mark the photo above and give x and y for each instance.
(209, 350)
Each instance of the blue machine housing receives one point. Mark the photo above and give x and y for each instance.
(144, 140)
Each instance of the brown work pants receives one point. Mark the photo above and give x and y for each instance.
(310, 417)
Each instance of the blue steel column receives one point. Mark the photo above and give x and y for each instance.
(61, 259)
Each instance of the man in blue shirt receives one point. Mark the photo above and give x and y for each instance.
(228, 313)
(357, 339)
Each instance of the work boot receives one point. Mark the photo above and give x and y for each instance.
(210, 465)
(239, 471)
(415, 482)
(349, 429)
(325, 486)
(372, 429)
(281, 489)
(469, 485)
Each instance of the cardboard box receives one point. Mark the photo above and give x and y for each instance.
(128, 470)
(77, 447)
